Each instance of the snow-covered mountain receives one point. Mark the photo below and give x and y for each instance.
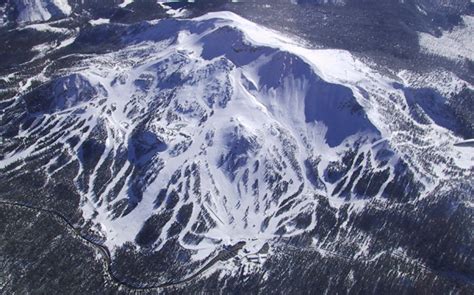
(41, 10)
(193, 135)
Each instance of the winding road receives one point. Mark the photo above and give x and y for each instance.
(221, 256)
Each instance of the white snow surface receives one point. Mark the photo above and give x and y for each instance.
(330, 64)
(221, 105)
(99, 21)
(37, 10)
(455, 44)
(125, 3)
(3, 14)
(63, 5)
(181, 12)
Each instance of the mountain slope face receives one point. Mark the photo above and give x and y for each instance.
(196, 135)
(40, 10)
